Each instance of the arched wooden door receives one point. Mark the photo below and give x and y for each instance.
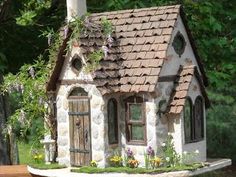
(80, 130)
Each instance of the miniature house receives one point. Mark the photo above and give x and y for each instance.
(151, 83)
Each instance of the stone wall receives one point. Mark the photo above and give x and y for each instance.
(154, 129)
(97, 113)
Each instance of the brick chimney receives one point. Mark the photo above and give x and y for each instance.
(75, 8)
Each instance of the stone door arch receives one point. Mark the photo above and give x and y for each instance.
(80, 129)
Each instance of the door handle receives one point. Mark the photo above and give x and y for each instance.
(78, 123)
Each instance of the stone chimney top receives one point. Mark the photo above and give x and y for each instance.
(75, 8)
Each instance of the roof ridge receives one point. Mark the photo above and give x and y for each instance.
(177, 6)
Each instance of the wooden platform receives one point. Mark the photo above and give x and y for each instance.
(15, 171)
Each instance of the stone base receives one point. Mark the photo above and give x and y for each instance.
(214, 164)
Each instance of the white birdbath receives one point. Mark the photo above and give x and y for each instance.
(49, 148)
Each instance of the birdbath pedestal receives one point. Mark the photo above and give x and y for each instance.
(48, 148)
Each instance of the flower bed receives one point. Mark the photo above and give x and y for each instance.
(164, 159)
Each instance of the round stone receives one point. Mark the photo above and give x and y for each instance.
(97, 118)
(65, 104)
(61, 116)
(59, 103)
(98, 146)
(96, 102)
(62, 141)
(62, 91)
(95, 133)
(98, 157)
(63, 131)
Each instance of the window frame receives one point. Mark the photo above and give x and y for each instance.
(129, 122)
(193, 127)
(179, 36)
(190, 119)
(113, 100)
(201, 118)
(75, 70)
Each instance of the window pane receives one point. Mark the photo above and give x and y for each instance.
(78, 91)
(137, 132)
(199, 133)
(187, 120)
(112, 122)
(135, 112)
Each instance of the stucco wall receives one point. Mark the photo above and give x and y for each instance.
(173, 61)
(171, 67)
(194, 91)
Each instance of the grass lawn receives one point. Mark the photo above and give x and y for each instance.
(43, 166)
(26, 158)
(91, 170)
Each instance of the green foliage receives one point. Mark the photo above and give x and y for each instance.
(83, 27)
(31, 9)
(221, 130)
(25, 151)
(3, 61)
(94, 59)
(170, 156)
(43, 166)
(128, 170)
(106, 27)
(26, 18)
(29, 87)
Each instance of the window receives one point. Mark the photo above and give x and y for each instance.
(76, 63)
(135, 121)
(179, 44)
(78, 91)
(199, 118)
(193, 120)
(188, 120)
(112, 121)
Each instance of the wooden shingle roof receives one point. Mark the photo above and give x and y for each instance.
(182, 85)
(134, 61)
(140, 43)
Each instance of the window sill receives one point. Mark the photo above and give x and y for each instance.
(194, 141)
(113, 145)
(141, 143)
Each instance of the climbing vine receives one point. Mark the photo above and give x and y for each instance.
(82, 27)
(28, 85)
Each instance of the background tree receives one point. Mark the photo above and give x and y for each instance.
(213, 24)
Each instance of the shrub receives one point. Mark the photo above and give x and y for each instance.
(170, 156)
(116, 161)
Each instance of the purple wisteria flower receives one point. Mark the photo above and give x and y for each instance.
(129, 153)
(150, 151)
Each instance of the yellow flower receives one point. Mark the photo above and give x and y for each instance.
(155, 162)
(116, 160)
(93, 163)
(40, 156)
(35, 157)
